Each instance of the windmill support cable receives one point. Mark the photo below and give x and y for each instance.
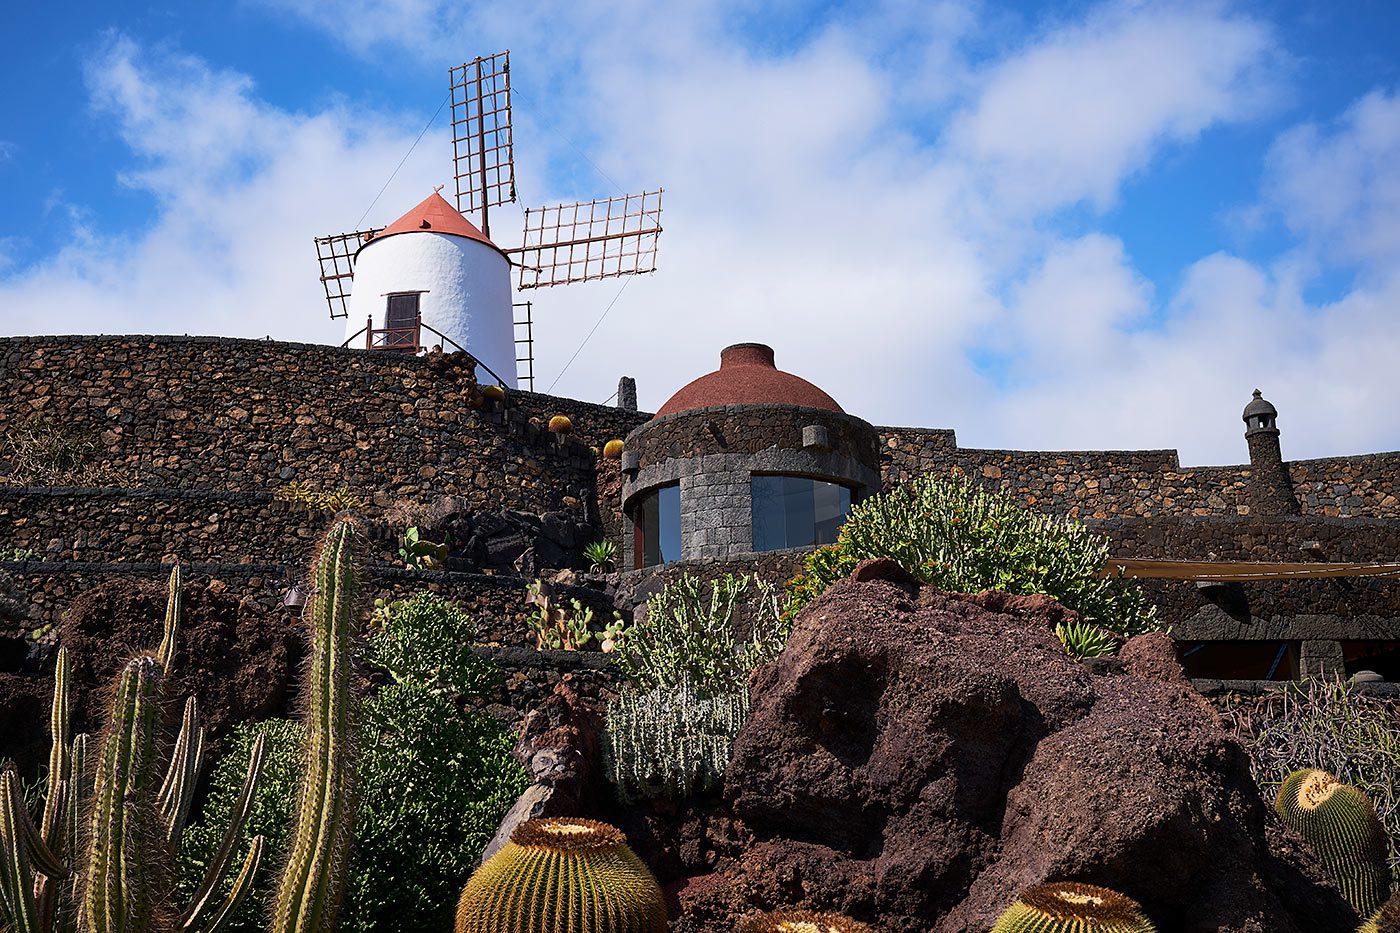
(577, 148)
(625, 283)
(395, 172)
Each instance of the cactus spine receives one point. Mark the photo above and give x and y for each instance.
(308, 895)
(1384, 920)
(1339, 822)
(801, 921)
(121, 877)
(558, 874)
(1067, 907)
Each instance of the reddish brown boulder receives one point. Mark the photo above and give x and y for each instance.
(915, 758)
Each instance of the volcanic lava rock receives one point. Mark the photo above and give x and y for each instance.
(235, 657)
(915, 758)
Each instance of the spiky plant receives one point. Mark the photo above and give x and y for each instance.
(612, 450)
(558, 874)
(1340, 824)
(1384, 920)
(117, 823)
(1083, 640)
(493, 393)
(313, 880)
(1069, 907)
(801, 921)
(560, 424)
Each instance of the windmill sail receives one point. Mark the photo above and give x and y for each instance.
(337, 257)
(589, 240)
(483, 148)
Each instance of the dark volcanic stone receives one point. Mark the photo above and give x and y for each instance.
(236, 658)
(916, 758)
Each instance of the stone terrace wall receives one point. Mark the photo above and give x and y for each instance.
(1348, 486)
(246, 415)
(1280, 538)
(1106, 484)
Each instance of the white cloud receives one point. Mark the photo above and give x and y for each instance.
(803, 208)
(7, 150)
(1341, 191)
(1080, 110)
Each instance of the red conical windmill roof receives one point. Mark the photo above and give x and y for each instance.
(434, 215)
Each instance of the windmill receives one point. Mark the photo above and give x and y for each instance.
(453, 289)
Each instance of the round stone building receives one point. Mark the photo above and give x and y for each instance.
(745, 459)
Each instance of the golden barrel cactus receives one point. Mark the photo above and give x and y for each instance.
(1339, 822)
(612, 450)
(801, 921)
(1067, 907)
(560, 424)
(562, 874)
(1385, 920)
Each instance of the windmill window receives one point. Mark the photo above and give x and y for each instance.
(796, 511)
(402, 312)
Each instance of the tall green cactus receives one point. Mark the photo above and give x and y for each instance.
(1068, 907)
(558, 874)
(118, 824)
(1339, 822)
(122, 881)
(309, 893)
(1384, 920)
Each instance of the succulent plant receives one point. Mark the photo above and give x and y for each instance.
(1073, 908)
(800, 921)
(309, 892)
(1384, 920)
(601, 555)
(670, 742)
(493, 393)
(560, 424)
(557, 874)
(1339, 822)
(612, 450)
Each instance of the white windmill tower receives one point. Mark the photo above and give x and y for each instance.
(434, 278)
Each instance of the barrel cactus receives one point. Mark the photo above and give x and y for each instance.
(560, 424)
(801, 921)
(1385, 920)
(1339, 822)
(612, 450)
(557, 874)
(1073, 908)
(493, 393)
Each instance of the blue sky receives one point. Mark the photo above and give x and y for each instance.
(1045, 225)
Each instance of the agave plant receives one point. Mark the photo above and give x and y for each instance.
(1083, 640)
(601, 556)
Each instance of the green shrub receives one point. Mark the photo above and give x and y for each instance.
(1328, 725)
(271, 815)
(950, 532)
(691, 635)
(670, 742)
(435, 778)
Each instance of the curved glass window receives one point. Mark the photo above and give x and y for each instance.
(657, 534)
(797, 511)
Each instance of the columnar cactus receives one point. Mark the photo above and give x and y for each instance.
(1067, 907)
(558, 874)
(119, 825)
(1339, 822)
(121, 877)
(308, 895)
(801, 921)
(1384, 920)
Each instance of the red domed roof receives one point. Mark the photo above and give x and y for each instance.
(747, 376)
(434, 215)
